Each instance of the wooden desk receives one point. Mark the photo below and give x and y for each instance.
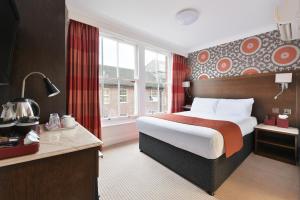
(65, 168)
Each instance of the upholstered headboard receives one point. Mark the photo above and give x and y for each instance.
(261, 87)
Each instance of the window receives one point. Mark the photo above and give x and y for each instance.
(106, 97)
(153, 95)
(134, 80)
(123, 95)
(156, 85)
(118, 72)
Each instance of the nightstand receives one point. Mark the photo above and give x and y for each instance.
(277, 143)
(186, 107)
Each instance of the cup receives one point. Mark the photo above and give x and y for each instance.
(68, 121)
(54, 121)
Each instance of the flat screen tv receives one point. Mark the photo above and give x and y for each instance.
(9, 21)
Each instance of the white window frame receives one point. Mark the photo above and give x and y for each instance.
(167, 83)
(118, 79)
(140, 97)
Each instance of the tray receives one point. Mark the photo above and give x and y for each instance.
(19, 150)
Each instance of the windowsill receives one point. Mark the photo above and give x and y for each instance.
(117, 121)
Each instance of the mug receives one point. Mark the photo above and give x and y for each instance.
(67, 121)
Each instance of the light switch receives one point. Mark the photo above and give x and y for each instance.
(287, 111)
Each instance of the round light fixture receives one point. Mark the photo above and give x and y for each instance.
(187, 16)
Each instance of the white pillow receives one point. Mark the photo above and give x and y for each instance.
(204, 105)
(238, 107)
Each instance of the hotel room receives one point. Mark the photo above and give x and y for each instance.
(149, 100)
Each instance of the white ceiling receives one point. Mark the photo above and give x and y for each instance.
(220, 21)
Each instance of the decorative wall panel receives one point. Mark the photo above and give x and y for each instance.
(258, 54)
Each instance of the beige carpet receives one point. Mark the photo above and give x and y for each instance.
(127, 174)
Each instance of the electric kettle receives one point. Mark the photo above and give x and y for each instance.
(26, 108)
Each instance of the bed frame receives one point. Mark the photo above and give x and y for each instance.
(208, 174)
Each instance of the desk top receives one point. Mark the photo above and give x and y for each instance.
(58, 142)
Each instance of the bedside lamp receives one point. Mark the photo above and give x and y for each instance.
(284, 79)
(186, 85)
(50, 87)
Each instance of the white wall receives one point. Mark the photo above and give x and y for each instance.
(106, 25)
(113, 134)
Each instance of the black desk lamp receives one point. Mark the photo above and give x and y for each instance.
(50, 87)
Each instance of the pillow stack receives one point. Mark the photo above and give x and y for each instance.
(236, 107)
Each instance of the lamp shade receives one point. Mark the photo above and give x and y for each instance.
(283, 78)
(51, 88)
(186, 84)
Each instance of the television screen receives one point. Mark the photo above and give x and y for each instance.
(9, 20)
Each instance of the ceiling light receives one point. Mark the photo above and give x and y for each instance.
(187, 16)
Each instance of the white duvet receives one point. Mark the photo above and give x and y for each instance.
(202, 141)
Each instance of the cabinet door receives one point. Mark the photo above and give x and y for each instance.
(69, 176)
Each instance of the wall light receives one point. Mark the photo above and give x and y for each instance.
(50, 87)
(284, 79)
(186, 85)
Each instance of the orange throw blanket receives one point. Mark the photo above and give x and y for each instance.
(231, 132)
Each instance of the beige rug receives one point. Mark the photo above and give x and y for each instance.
(127, 174)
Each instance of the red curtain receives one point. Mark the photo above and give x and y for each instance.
(180, 69)
(83, 76)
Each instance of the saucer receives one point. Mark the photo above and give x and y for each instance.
(27, 124)
(11, 124)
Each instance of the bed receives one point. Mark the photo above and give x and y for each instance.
(197, 153)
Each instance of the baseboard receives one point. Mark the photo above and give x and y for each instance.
(119, 133)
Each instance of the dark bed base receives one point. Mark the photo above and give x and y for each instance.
(208, 174)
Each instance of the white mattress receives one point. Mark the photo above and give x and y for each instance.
(205, 142)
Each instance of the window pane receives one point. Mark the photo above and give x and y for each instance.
(109, 67)
(126, 74)
(123, 95)
(152, 101)
(126, 98)
(109, 52)
(109, 72)
(156, 82)
(106, 96)
(149, 57)
(126, 56)
(150, 66)
(163, 91)
(153, 93)
(162, 68)
(111, 109)
(126, 61)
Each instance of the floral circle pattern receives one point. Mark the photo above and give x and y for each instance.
(203, 57)
(261, 53)
(250, 45)
(285, 55)
(203, 77)
(224, 65)
(250, 71)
